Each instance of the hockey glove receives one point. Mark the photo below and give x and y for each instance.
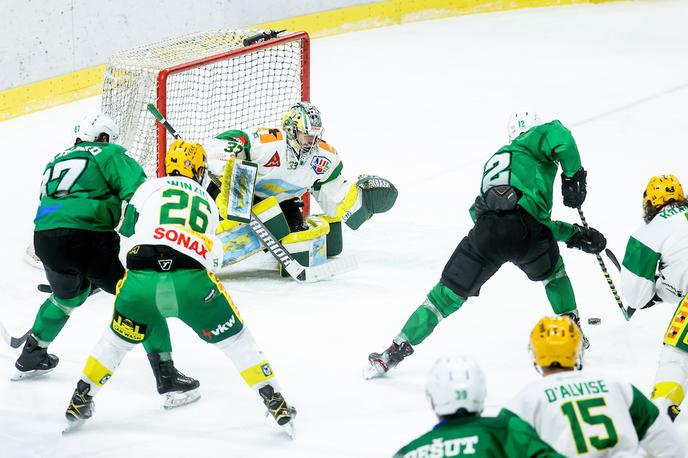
(574, 189)
(587, 239)
(379, 194)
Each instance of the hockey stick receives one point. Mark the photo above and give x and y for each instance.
(14, 342)
(627, 312)
(296, 270)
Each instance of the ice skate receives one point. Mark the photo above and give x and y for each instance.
(80, 408)
(176, 388)
(282, 412)
(381, 363)
(34, 361)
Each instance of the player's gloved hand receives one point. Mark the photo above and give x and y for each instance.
(379, 194)
(587, 239)
(573, 189)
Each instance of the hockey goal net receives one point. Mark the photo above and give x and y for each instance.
(204, 84)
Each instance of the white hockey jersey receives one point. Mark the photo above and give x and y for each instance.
(319, 174)
(660, 249)
(583, 413)
(175, 212)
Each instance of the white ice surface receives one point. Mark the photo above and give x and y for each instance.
(423, 105)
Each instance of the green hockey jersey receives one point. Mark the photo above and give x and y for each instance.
(503, 436)
(83, 187)
(530, 163)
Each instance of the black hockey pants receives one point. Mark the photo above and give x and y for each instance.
(513, 236)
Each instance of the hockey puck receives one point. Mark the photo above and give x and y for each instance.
(594, 321)
(42, 287)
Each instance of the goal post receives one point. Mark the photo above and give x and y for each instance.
(204, 83)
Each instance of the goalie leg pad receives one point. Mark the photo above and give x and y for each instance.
(677, 333)
(238, 239)
(671, 379)
(335, 240)
(309, 247)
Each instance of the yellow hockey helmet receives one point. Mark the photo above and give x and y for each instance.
(556, 342)
(661, 190)
(187, 159)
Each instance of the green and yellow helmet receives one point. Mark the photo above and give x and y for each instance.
(303, 128)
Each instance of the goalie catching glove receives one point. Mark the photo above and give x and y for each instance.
(375, 195)
(587, 239)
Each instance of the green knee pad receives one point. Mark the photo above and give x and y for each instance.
(559, 290)
(53, 314)
(440, 303)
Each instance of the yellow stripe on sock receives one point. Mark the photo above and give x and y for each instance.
(96, 372)
(261, 372)
(672, 391)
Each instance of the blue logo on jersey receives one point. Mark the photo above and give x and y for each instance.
(46, 210)
(320, 164)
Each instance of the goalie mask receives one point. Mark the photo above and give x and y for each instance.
(522, 121)
(454, 384)
(556, 342)
(302, 125)
(186, 159)
(96, 127)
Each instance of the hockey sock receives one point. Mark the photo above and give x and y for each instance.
(53, 314)
(249, 360)
(559, 290)
(104, 360)
(158, 341)
(440, 303)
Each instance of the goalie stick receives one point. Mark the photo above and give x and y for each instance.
(627, 312)
(296, 270)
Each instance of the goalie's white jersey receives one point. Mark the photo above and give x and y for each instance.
(319, 173)
(176, 212)
(583, 413)
(658, 248)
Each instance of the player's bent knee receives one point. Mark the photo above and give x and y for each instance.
(463, 275)
(444, 300)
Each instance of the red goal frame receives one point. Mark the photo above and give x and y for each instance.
(164, 74)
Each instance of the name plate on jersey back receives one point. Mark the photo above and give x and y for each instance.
(243, 183)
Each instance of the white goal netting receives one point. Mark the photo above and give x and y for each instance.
(214, 84)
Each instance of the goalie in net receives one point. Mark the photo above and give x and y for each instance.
(292, 160)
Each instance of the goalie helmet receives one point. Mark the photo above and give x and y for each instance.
(556, 342)
(187, 159)
(456, 383)
(661, 190)
(302, 125)
(91, 127)
(522, 121)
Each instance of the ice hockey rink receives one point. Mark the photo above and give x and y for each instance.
(423, 105)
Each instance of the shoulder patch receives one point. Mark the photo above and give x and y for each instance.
(320, 164)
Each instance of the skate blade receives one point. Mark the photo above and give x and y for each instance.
(287, 427)
(372, 371)
(19, 375)
(73, 426)
(175, 399)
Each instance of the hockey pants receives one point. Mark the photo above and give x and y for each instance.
(494, 240)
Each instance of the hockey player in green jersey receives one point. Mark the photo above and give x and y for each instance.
(585, 413)
(655, 269)
(456, 391)
(512, 216)
(81, 198)
(171, 247)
